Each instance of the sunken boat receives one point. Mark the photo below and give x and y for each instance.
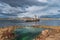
(35, 19)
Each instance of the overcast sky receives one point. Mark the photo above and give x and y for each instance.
(28, 8)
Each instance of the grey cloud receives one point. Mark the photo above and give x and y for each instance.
(8, 14)
(7, 10)
(11, 8)
(23, 3)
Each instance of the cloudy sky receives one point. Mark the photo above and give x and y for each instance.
(28, 8)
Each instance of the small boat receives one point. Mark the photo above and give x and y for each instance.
(32, 19)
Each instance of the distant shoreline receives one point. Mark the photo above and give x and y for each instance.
(31, 18)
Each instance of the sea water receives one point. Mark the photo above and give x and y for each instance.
(22, 23)
(27, 33)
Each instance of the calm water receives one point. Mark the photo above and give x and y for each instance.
(22, 23)
(27, 33)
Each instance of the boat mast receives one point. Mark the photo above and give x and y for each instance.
(36, 17)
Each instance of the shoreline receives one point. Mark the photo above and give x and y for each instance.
(12, 28)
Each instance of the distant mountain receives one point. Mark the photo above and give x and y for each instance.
(50, 16)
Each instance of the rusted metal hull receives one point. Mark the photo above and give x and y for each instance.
(32, 20)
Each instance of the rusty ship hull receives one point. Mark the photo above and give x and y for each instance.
(36, 20)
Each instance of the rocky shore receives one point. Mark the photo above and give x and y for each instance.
(6, 33)
(52, 33)
(49, 35)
